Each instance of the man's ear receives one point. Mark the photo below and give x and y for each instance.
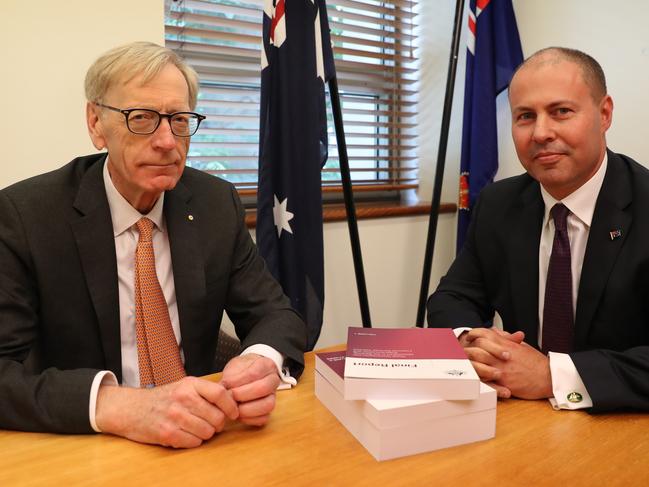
(95, 126)
(606, 112)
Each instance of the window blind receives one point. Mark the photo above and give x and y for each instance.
(374, 50)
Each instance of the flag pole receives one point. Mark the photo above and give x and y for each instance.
(441, 159)
(349, 203)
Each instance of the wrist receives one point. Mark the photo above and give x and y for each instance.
(548, 390)
(108, 413)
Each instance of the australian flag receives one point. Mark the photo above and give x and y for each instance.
(493, 54)
(296, 62)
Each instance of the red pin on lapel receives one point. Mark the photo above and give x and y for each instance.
(615, 234)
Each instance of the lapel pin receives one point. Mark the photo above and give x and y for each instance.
(191, 219)
(615, 234)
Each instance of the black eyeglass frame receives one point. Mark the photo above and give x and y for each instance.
(168, 116)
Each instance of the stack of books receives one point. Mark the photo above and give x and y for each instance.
(402, 391)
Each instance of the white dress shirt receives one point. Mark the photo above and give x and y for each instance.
(124, 218)
(581, 203)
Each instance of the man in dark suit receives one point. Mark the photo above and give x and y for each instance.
(572, 290)
(71, 325)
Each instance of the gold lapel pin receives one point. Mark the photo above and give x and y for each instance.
(190, 218)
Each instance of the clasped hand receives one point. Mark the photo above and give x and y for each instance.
(186, 413)
(508, 364)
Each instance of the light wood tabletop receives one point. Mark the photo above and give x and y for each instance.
(305, 445)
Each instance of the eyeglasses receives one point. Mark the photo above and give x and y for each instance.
(142, 121)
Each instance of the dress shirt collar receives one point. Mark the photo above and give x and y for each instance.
(123, 215)
(581, 202)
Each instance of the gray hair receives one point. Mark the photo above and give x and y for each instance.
(125, 62)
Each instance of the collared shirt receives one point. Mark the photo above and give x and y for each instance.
(126, 234)
(581, 203)
(124, 218)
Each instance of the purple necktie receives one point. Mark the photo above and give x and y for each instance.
(557, 311)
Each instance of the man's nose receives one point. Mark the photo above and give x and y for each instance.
(163, 137)
(544, 129)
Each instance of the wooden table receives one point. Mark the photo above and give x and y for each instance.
(305, 445)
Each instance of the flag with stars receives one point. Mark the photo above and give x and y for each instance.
(493, 54)
(296, 61)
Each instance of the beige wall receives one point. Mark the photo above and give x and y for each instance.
(615, 34)
(393, 249)
(47, 47)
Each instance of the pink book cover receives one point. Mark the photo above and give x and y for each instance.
(332, 366)
(406, 353)
(335, 361)
(403, 343)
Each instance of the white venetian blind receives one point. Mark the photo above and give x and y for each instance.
(373, 45)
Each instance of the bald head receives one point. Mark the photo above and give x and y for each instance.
(591, 70)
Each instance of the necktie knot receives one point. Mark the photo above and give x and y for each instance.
(145, 227)
(560, 214)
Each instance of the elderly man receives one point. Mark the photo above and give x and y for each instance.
(560, 253)
(117, 267)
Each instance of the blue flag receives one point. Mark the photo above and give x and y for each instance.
(297, 60)
(493, 54)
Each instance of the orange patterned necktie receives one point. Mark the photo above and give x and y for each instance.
(158, 353)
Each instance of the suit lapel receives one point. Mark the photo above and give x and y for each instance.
(93, 232)
(602, 250)
(525, 221)
(188, 269)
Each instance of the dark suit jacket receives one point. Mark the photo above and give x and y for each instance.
(59, 307)
(497, 270)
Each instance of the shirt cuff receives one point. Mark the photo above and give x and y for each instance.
(460, 330)
(267, 351)
(103, 378)
(568, 388)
